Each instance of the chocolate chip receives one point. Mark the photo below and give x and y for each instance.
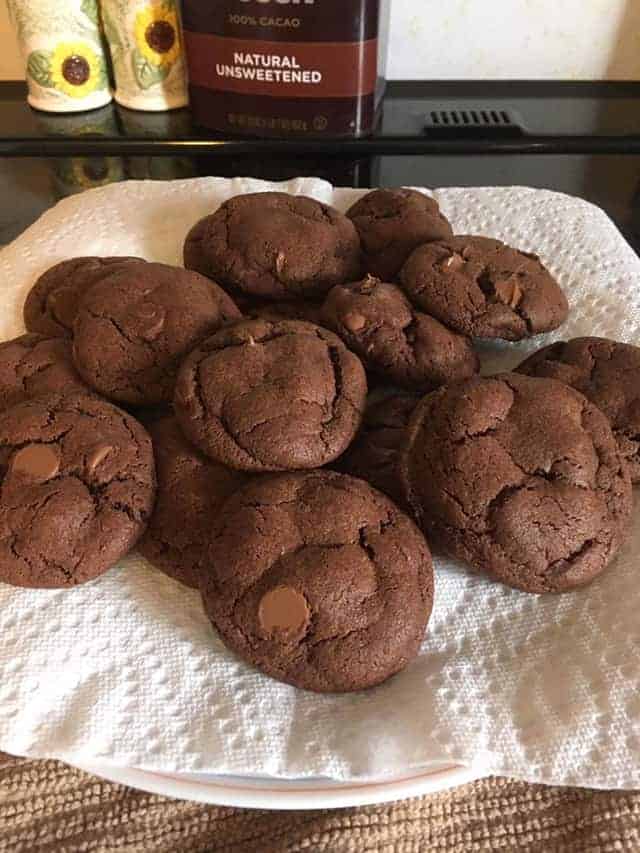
(509, 292)
(455, 262)
(354, 322)
(38, 462)
(98, 455)
(284, 613)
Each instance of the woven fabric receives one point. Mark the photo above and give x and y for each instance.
(48, 807)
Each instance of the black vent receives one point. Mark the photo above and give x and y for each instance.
(477, 122)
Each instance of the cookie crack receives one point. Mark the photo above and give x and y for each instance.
(22, 444)
(148, 345)
(232, 435)
(336, 367)
(19, 555)
(42, 368)
(565, 564)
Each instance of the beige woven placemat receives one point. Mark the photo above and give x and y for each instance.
(47, 807)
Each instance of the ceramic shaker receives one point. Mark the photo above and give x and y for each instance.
(145, 40)
(66, 69)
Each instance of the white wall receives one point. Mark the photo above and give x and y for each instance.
(527, 39)
(457, 39)
(11, 67)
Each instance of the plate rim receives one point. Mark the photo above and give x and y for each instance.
(262, 794)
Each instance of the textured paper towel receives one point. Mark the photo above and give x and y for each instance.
(127, 671)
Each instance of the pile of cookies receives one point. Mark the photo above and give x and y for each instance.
(280, 422)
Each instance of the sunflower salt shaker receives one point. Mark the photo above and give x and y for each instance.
(145, 39)
(61, 43)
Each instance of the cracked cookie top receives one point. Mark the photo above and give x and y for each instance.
(134, 328)
(275, 245)
(521, 478)
(392, 223)
(77, 486)
(319, 581)
(396, 342)
(52, 303)
(484, 288)
(32, 365)
(271, 396)
(607, 373)
(191, 489)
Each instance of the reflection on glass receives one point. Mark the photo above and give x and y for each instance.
(75, 174)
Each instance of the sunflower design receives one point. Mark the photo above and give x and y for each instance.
(157, 34)
(76, 69)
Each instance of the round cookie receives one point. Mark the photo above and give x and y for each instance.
(134, 328)
(33, 365)
(404, 346)
(77, 485)
(607, 373)
(52, 303)
(275, 246)
(191, 489)
(484, 288)
(519, 477)
(271, 396)
(392, 223)
(375, 454)
(319, 581)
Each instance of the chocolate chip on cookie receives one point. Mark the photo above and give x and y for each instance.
(521, 478)
(33, 365)
(276, 246)
(392, 223)
(191, 490)
(52, 303)
(406, 347)
(77, 486)
(271, 396)
(484, 288)
(319, 581)
(375, 454)
(135, 327)
(607, 373)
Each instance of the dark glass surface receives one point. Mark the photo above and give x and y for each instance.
(557, 118)
(597, 114)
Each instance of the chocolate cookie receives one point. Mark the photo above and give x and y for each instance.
(276, 246)
(404, 346)
(52, 303)
(33, 365)
(191, 490)
(520, 477)
(608, 374)
(392, 223)
(269, 396)
(77, 487)
(134, 328)
(319, 581)
(375, 454)
(484, 288)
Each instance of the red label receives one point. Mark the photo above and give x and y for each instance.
(282, 69)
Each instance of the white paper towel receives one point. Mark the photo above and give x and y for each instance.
(126, 670)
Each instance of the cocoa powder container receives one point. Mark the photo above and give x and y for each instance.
(287, 68)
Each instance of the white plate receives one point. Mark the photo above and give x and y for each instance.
(244, 792)
(127, 671)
